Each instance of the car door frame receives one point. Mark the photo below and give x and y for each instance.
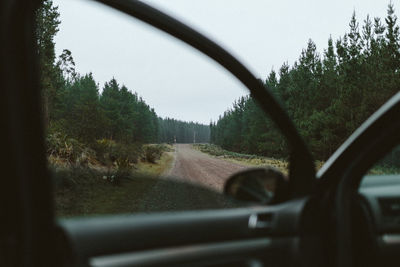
(301, 163)
(31, 231)
(31, 236)
(344, 170)
(26, 202)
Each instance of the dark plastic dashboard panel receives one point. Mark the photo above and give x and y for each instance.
(107, 236)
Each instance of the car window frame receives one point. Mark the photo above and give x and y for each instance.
(26, 191)
(343, 172)
(301, 163)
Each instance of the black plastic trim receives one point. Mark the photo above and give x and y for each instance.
(109, 235)
(27, 214)
(209, 253)
(344, 171)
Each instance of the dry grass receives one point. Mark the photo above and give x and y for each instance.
(249, 160)
(319, 164)
(97, 196)
(281, 165)
(161, 166)
(243, 159)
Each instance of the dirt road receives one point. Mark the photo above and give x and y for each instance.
(195, 167)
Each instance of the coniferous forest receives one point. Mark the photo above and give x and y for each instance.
(327, 95)
(73, 104)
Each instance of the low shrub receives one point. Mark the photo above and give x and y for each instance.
(152, 153)
(130, 153)
(61, 146)
(220, 152)
(246, 158)
(110, 153)
(103, 148)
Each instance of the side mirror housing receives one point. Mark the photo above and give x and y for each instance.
(261, 185)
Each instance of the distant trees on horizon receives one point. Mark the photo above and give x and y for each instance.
(172, 130)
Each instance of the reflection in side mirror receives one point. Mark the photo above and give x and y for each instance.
(262, 185)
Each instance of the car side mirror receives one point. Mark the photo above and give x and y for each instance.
(262, 185)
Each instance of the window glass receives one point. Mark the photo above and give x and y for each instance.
(331, 63)
(383, 183)
(389, 165)
(123, 101)
(137, 121)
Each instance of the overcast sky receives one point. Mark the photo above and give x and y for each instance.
(173, 78)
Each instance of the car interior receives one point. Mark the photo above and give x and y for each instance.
(342, 215)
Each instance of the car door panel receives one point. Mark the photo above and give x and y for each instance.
(240, 233)
(200, 237)
(281, 234)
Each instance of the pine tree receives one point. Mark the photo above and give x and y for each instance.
(85, 118)
(47, 26)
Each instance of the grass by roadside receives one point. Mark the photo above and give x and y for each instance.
(160, 167)
(384, 170)
(82, 191)
(244, 159)
(254, 160)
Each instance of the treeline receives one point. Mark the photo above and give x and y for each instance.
(328, 96)
(172, 131)
(244, 128)
(115, 113)
(74, 105)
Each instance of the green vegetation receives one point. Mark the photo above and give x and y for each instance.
(390, 164)
(152, 153)
(244, 159)
(100, 141)
(328, 96)
(82, 191)
(109, 178)
(160, 167)
(218, 151)
(384, 170)
(74, 105)
(101, 138)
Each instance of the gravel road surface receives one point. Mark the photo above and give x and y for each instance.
(197, 167)
(191, 167)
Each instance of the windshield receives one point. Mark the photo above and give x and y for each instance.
(126, 106)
